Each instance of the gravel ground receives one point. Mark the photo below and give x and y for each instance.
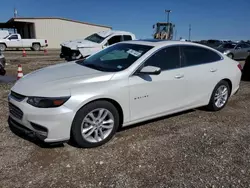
(191, 149)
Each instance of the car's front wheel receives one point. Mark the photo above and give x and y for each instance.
(219, 96)
(2, 47)
(95, 124)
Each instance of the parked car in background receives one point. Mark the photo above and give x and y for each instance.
(2, 64)
(235, 50)
(213, 43)
(123, 84)
(82, 48)
(15, 41)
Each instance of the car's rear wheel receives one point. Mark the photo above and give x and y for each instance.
(95, 124)
(36, 47)
(219, 96)
(231, 56)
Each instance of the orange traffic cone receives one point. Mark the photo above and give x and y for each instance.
(45, 51)
(19, 72)
(24, 53)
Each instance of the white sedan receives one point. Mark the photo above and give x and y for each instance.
(126, 83)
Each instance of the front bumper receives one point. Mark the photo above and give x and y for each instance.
(69, 55)
(49, 125)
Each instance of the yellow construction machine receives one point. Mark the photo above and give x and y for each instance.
(163, 30)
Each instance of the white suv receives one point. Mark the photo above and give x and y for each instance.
(126, 83)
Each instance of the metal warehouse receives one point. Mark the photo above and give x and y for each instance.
(55, 30)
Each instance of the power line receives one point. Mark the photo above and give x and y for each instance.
(189, 35)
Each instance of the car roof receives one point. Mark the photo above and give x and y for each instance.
(158, 42)
(112, 32)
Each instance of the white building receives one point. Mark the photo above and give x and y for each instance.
(55, 30)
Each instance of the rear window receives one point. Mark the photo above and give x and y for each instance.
(195, 55)
(229, 46)
(127, 37)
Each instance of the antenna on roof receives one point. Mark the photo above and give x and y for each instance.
(15, 12)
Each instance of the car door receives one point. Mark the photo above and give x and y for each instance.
(152, 95)
(200, 66)
(14, 41)
(245, 50)
(241, 51)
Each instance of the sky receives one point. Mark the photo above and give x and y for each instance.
(209, 19)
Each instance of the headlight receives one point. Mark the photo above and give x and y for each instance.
(226, 52)
(42, 102)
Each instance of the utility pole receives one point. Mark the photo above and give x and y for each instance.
(15, 12)
(168, 11)
(189, 35)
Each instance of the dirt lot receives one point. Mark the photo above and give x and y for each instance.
(192, 149)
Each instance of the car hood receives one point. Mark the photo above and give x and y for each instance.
(80, 43)
(52, 80)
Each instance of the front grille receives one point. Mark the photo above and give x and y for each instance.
(18, 125)
(17, 96)
(66, 51)
(15, 111)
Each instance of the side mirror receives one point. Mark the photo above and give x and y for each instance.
(151, 70)
(237, 48)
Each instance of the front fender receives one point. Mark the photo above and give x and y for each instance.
(115, 91)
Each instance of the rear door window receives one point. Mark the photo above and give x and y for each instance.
(115, 39)
(195, 55)
(127, 37)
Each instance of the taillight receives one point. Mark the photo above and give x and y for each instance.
(239, 66)
(46, 41)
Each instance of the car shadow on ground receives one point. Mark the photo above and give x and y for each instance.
(41, 144)
(155, 120)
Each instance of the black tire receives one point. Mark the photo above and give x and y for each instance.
(2, 71)
(2, 47)
(212, 106)
(246, 70)
(76, 134)
(36, 47)
(230, 55)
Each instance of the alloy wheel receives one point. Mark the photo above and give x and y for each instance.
(221, 96)
(97, 125)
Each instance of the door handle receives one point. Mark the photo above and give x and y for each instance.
(213, 70)
(179, 76)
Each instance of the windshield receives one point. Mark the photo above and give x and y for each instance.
(115, 58)
(6, 37)
(228, 46)
(95, 38)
